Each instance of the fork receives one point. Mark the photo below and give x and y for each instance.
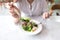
(43, 20)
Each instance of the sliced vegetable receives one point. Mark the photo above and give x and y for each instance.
(27, 25)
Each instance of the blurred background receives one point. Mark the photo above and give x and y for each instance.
(54, 5)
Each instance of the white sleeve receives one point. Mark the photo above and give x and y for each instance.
(45, 6)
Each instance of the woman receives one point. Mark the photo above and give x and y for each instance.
(30, 8)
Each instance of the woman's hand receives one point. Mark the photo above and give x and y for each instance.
(15, 12)
(45, 15)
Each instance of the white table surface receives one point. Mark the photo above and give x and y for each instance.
(10, 31)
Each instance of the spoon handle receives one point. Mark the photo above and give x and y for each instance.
(42, 21)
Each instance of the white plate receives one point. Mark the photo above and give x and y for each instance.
(39, 29)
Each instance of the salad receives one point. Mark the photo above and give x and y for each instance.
(28, 25)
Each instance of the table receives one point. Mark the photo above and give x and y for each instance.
(10, 31)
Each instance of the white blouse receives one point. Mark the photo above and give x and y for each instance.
(38, 7)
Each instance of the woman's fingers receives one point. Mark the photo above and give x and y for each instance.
(45, 15)
(14, 9)
(15, 13)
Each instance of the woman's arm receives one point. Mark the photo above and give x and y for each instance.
(45, 9)
(15, 12)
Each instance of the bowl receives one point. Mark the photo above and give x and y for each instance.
(38, 30)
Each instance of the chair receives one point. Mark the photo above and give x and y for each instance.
(55, 7)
